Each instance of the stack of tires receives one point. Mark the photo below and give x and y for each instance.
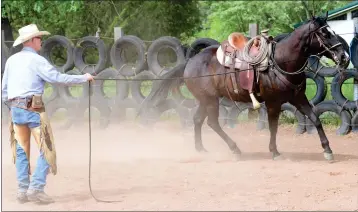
(141, 62)
(131, 58)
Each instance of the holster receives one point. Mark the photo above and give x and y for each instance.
(36, 102)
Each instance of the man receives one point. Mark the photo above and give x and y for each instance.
(22, 86)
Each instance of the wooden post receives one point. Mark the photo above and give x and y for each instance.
(98, 32)
(253, 30)
(3, 52)
(2, 39)
(118, 33)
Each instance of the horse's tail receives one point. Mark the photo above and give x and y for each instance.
(161, 88)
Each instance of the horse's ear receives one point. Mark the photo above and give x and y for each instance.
(312, 17)
(326, 16)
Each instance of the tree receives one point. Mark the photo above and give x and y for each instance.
(226, 17)
(74, 19)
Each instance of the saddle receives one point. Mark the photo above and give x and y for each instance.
(230, 54)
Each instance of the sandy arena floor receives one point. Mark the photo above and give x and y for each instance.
(158, 169)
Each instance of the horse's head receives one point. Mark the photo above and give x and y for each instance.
(323, 41)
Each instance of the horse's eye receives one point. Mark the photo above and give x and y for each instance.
(325, 34)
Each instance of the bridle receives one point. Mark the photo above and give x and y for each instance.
(336, 59)
(278, 71)
(320, 40)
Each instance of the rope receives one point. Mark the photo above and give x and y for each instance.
(200, 76)
(263, 51)
(90, 149)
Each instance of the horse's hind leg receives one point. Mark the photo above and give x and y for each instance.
(199, 118)
(273, 111)
(212, 108)
(302, 104)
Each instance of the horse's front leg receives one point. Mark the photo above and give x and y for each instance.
(302, 104)
(273, 112)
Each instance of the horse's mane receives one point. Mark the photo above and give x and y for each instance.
(315, 19)
(320, 20)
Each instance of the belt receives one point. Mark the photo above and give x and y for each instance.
(15, 102)
(24, 103)
(20, 99)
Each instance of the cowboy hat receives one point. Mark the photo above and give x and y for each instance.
(28, 32)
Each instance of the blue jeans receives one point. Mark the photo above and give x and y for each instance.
(31, 119)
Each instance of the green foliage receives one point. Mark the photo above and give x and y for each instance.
(148, 20)
(52, 16)
(75, 19)
(225, 17)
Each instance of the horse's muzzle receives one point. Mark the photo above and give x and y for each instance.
(342, 60)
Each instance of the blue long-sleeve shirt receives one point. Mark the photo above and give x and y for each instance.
(26, 73)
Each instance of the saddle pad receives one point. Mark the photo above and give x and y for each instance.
(227, 61)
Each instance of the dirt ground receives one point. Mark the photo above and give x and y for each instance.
(158, 169)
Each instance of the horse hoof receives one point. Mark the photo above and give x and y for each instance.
(201, 149)
(237, 157)
(278, 157)
(328, 156)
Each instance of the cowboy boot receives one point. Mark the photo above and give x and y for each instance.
(39, 197)
(22, 197)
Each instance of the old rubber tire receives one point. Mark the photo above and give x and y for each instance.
(223, 114)
(99, 102)
(86, 42)
(198, 45)
(184, 114)
(53, 106)
(179, 98)
(263, 118)
(119, 62)
(101, 106)
(226, 102)
(64, 93)
(355, 122)
(262, 122)
(321, 87)
(234, 111)
(153, 51)
(54, 95)
(301, 119)
(354, 51)
(330, 105)
(314, 65)
(336, 87)
(50, 43)
(135, 85)
(151, 116)
(122, 87)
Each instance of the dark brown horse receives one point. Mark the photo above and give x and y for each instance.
(283, 81)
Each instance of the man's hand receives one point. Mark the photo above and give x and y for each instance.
(89, 77)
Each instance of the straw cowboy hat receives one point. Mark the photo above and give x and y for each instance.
(28, 32)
